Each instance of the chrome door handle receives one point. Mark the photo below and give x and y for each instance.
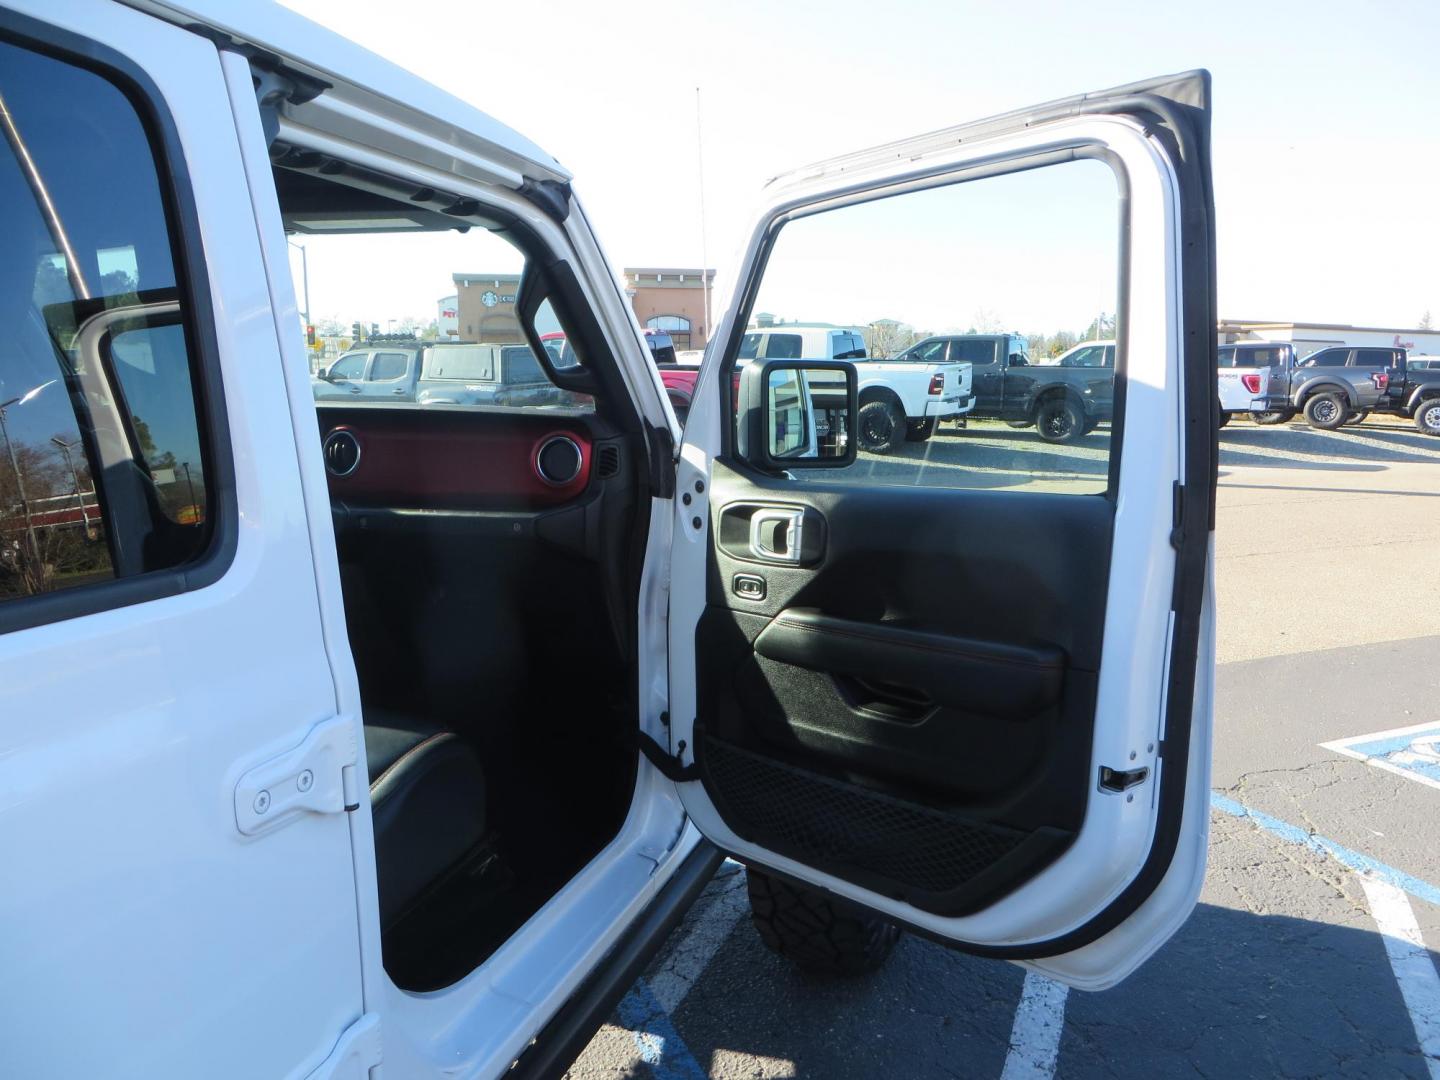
(777, 535)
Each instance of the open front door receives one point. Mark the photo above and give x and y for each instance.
(963, 677)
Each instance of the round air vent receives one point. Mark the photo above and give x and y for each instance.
(342, 452)
(558, 460)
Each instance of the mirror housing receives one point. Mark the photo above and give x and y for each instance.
(798, 414)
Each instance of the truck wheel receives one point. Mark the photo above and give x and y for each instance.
(814, 932)
(1224, 419)
(1059, 420)
(1427, 416)
(919, 430)
(1278, 416)
(882, 426)
(1018, 423)
(1359, 417)
(1328, 412)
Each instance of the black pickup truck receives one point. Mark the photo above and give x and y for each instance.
(1342, 384)
(1064, 398)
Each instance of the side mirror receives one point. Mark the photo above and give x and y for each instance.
(798, 414)
(324, 374)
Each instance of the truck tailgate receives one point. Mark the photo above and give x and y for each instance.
(1243, 389)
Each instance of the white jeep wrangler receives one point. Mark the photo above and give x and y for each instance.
(350, 739)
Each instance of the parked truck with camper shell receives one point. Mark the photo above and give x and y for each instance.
(394, 737)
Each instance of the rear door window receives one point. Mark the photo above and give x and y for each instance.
(108, 467)
(978, 353)
(783, 347)
(1373, 358)
(389, 366)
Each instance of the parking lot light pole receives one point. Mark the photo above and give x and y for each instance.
(304, 277)
(30, 540)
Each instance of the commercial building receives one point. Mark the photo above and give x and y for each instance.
(485, 307)
(1308, 337)
(672, 299)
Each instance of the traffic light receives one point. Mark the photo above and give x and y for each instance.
(355, 335)
(310, 334)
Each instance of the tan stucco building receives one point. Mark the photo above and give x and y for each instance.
(672, 299)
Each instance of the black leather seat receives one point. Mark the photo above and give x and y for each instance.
(427, 798)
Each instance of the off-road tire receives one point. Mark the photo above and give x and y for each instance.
(881, 426)
(1357, 418)
(1277, 416)
(1224, 419)
(815, 933)
(919, 430)
(1327, 411)
(1427, 416)
(1059, 420)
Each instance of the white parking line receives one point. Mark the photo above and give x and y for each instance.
(1411, 963)
(680, 970)
(1035, 1035)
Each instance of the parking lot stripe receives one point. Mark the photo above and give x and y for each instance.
(657, 1042)
(688, 958)
(1035, 1035)
(1363, 864)
(1414, 970)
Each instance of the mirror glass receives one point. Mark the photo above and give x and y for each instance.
(805, 414)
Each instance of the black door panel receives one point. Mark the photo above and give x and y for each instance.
(932, 675)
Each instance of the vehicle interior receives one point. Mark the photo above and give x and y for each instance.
(490, 556)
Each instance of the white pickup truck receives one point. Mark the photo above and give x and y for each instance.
(900, 400)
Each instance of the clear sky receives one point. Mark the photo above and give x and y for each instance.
(1327, 115)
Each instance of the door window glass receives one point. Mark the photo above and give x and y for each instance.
(1373, 358)
(105, 469)
(1329, 358)
(349, 367)
(388, 365)
(996, 278)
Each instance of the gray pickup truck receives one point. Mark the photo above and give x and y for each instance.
(1343, 384)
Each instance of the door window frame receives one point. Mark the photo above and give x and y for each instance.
(747, 294)
(177, 197)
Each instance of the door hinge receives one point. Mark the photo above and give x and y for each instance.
(673, 767)
(357, 1051)
(320, 776)
(1118, 780)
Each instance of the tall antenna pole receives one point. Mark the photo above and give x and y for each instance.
(704, 254)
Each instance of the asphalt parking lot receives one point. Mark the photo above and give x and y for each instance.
(1312, 951)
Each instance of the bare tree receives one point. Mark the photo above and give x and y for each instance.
(886, 337)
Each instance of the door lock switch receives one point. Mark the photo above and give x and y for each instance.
(748, 586)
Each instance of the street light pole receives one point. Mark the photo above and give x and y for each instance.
(65, 449)
(30, 540)
(194, 510)
(29, 395)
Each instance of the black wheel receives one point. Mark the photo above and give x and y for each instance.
(1059, 420)
(882, 426)
(1358, 418)
(1224, 418)
(816, 933)
(919, 430)
(1278, 416)
(1328, 411)
(1427, 416)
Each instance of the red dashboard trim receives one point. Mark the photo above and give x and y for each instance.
(423, 459)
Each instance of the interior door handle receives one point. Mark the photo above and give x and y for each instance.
(777, 535)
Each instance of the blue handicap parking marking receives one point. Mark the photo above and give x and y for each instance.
(1411, 752)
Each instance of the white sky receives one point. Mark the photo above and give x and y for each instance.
(1326, 146)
